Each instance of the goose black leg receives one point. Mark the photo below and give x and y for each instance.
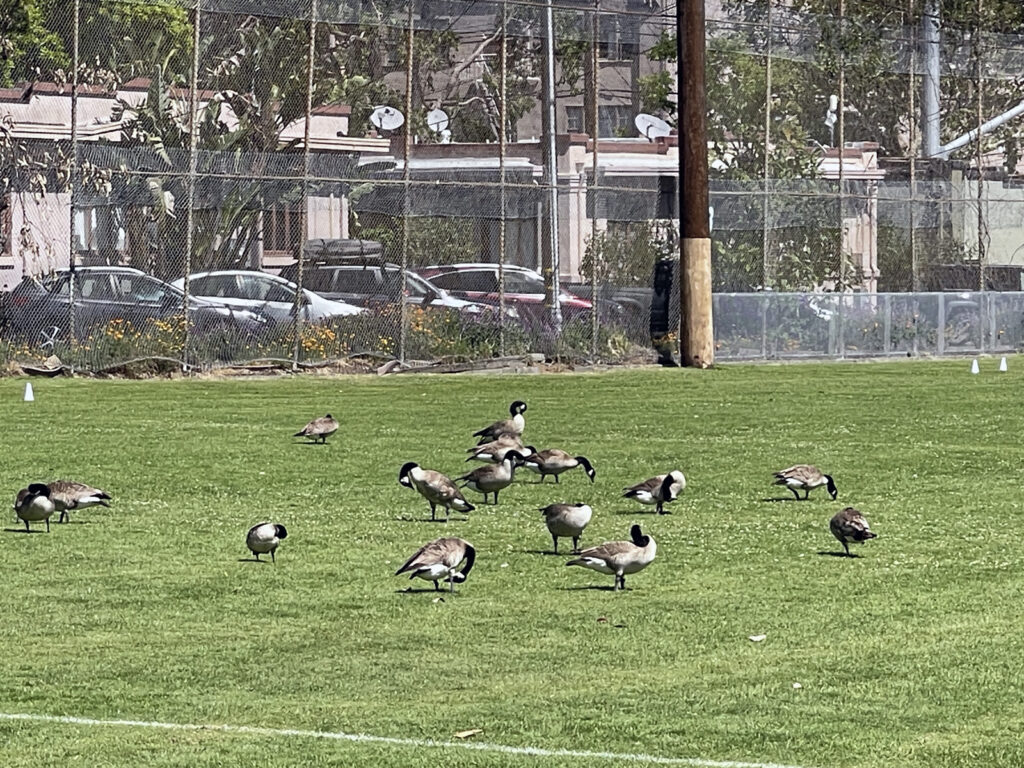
(659, 509)
(575, 544)
(847, 548)
(793, 490)
(557, 480)
(555, 540)
(47, 525)
(257, 557)
(437, 587)
(452, 582)
(807, 494)
(27, 528)
(432, 511)
(495, 498)
(272, 558)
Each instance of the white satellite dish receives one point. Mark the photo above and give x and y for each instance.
(437, 120)
(387, 118)
(650, 126)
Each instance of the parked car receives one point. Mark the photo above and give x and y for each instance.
(524, 288)
(269, 295)
(375, 283)
(40, 308)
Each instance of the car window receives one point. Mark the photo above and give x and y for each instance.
(276, 292)
(139, 288)
(360, 280)
(477, 280)
(520, 282)
(94, 287)
(415, 286)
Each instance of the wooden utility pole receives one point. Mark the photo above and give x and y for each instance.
(697, 344)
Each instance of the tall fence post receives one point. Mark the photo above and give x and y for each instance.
(406, 181)
(503, 191)
(595, 327)
(190, 180)
(978, 149)
(766, 278)
(306, 159)
(73, 181)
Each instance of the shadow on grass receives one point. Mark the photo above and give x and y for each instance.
(254, 560)
(596, 588)
(852, 555)
(782, 498)
(547, 552)
(415, 591)
(440, 520)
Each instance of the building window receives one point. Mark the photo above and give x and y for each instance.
(282, 229)
(617, 38)
(613, 120)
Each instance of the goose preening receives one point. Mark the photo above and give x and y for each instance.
(512, 426)
(491, 478)
(435, 488)
(567, 520)
(67, 495)
(494, 451)
(555, 462)
(659, 490)
(319, 429)
(620, 557)
(806, 478)
(850, 525)
(439, 560)
(34, 504)
(265, 537)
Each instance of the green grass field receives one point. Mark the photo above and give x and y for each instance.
(909, 655)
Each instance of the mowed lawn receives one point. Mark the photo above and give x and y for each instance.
(909, 655)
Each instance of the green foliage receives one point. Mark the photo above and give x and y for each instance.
(29, 48)
(624, 255)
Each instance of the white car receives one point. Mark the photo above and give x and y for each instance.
(271, 296)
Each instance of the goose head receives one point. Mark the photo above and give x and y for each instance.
(638, 537)
(403, 473)
(587, 467)
(831, 487)
(517, 407)
(460, 576)
(666, 487)
(280, 531)
(514, 458)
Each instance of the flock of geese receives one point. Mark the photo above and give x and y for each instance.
(502, 449)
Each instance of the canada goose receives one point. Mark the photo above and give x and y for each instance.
(555, 462)
(658, 490)
(806, 477)
(567, 520)
(435, 488)
(491, 478)
(319, 429)
(439, 560)
(850, 525)
(34, 503)
(620, 557)
(494, 451)
(513, 426)
(265, 537)
(68, 495)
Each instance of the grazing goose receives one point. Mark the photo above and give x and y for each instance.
(435, 488)
(513, 426)
(34, 503)
(850, 525)
(555, 462)
(440, 560)
(319, 429)
(620, 557)
(491, 478)
(658, 490)
(494, 451)
(68, 495)
(265, 537)
(567, 520)
(805, 477)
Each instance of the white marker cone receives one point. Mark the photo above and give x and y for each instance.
(29, 396)
(974, 366)
(1002, 365)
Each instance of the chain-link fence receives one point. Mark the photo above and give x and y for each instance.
(216, 182)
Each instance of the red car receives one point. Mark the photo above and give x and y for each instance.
(524, 288)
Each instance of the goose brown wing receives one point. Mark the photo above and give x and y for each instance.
(650, 485)
(441, 485)
(608, 551)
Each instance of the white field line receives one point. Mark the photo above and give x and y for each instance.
(479, 746)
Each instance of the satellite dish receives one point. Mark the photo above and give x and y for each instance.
(387, 118)
(650, 126)
(437, 120)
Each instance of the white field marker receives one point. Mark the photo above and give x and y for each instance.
(29, 395)
(479, 746)
(974, 366)
(1002, 365)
